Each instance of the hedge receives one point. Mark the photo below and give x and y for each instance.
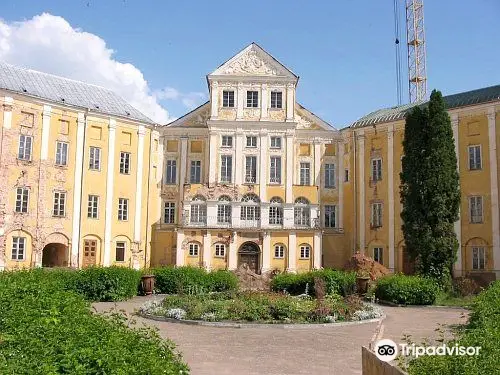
(339, 282)
(192, 280)
(45, 329)
(407, 290)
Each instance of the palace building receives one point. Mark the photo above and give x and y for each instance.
(249, 177)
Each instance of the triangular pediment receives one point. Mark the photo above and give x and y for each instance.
(197, 118)
(253, 61)
(306, 120)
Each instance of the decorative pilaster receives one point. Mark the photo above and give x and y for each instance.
(207, 253)
(179, 255)
(289, 169)
(214, 100)
(292, 252)
(233, 252)
(495, 229)
(45, 132)
(263, 167)
(182, 166)
(212, 161)
(138, 195)
(238, 159)
(361, 182)
(317, 248)
(266, 252)
(340, 177)
(110, 173)
(211, 214)
(7, 112)
(290, 101)
(458, 266)
(390, 193)
(240, 98)
(264, 114)
(317, 165)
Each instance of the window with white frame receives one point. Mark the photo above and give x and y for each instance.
(194, 249)
(18, 248)
(329, 175)
(125, 162)
(252, 99)
(228, 99)
(251, 169)
(475, 157)
(120, 251)
(195, 172)
(330, 216)
(378, 254)
(224, 210)
(478, 258)
(276, 143)
(198, 210)
(376, 216)
(171, 172)
(305, 251)
(251, 141)
(250, 207)
(276, 99)
(25, 147)
(276, 211)
(61, 153)
(226, 168)
(376, 169)
(122, 209)
(93, 207)
(59, 209)
(227, 141)
(169, 213)
(220, 250)
(279, 251)
(476, 209)
(302, 212)
(94, 158)
(275, 170)
(22, 199)
(305, 173)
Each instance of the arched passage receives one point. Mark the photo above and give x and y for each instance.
(249, 254)
(55, 255)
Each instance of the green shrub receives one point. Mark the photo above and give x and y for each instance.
(407, 290)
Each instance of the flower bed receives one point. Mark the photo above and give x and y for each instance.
(261, 308)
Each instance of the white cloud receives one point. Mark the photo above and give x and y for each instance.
(50, 44)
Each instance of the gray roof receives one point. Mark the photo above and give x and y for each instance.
(484, 95)
(67, 92)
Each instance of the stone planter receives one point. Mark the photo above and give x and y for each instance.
(148, 284)
(362, 284)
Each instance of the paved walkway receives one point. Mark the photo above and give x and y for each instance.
(252, 351)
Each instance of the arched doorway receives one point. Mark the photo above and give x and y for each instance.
(249, 255)
(55, 255)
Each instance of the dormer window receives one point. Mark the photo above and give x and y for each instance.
(228, 99)
(252, 99)
(276, 99)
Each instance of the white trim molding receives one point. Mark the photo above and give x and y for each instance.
(179, 255)
(495, 222)
(390, 193)
(44, 153)
(458, 266)
(7, 112)
(110, 173)
(361, 182)
(292, 252)
(138, 195)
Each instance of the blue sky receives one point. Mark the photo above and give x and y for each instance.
(342, 50)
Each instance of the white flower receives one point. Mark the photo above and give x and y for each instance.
(178, 314)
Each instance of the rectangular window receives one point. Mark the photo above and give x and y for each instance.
(305, 252)
(252, 99)
(193, 249)
(61, 153)
(59, 204)
(198, 213)
(228, 99)
(478, 258)
(376, 217)
(95, 158)
(223, 213)
(18, 248)
(276, 99)
(22, 198)
(305, 173)
(330, 216)
(169, 213)
(171, 172)
(251, 141)
(378, 255)
(195, 171)
(251, 169)
(93, 207)
(120, 252)
(220, 250)
(226, 168)
(227, 141)
(25, 147)
(276, 143)
(475, 157)
(376, 169)
(123, 209)
(476, 209)
(124, 162)
(346, 175)
(279, 251)
(275, 170)
(329, 175)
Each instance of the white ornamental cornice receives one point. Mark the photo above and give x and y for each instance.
(251, 63)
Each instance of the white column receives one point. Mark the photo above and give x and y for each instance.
(214, 100)
(138, 195)
(238, 159)
(240, 98)
(317, 165)
(179, 255)
(340, 177)
(182, 166)
(361, 182)
(317, 250)
(290, 101)
(233, 252)
(207, 250)
(494, 190)
(288, 219)
(7, 112)
(292, 252)
(44, 154)
(266, 252)
(235, 212)
(264, 102)
(212, 160)
(390, 192)
(458, 267)
(264, 215)
(289, 169)
(263, 167)
(77, 191)
(110, 173)
(211, 214)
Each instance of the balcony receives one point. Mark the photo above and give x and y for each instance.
(248, 224)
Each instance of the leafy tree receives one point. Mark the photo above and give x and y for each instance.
(430, 192)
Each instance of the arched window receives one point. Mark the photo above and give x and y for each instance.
(224, 210)
(305, 251)
(279, 251)
(250, 207)
(302, 212)
(198, 210)
(276, 211)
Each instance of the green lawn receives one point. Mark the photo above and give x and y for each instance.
(445, 299)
